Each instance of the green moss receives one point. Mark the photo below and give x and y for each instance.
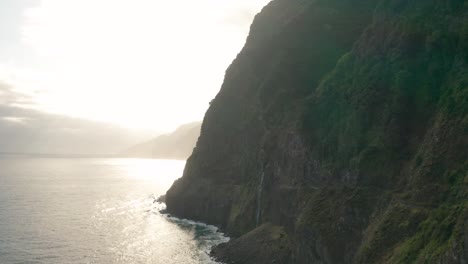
(419, 233)
(398, 221)
(432, 238)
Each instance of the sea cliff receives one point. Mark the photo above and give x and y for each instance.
(339, 135)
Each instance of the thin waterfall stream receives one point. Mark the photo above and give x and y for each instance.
(259, 196)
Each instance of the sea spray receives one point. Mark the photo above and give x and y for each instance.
(206, 236)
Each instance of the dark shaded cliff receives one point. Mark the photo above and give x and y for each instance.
(176, 145)
(339, 136)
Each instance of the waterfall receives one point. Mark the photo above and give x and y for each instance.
(259, 197)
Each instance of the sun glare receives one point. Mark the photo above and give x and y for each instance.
(147, 169)
(137, 63)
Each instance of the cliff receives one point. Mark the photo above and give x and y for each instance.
(339, 136)
(176, 145)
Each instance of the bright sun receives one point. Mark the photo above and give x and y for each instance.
(138, 63)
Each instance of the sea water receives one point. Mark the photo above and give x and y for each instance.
(61, 210)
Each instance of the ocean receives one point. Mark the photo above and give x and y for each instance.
(83, 210)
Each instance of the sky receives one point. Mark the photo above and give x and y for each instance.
(24, 130)
(147, 65)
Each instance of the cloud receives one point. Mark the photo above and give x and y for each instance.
(8, 96)
(16, 119)
(32, 131)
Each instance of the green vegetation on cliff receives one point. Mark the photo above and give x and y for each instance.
(344, 124)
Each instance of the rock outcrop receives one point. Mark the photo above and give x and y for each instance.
(339, 136)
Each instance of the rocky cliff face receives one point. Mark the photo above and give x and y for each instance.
(339, 136)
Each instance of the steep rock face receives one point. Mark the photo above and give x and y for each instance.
(343, 124)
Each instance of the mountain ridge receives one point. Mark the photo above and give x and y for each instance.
(175, 145)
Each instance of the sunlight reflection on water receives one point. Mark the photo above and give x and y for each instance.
(95, 211)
